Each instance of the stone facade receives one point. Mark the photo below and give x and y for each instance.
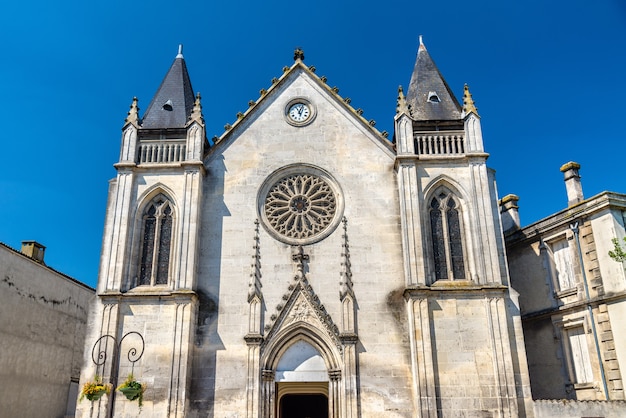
(302, 258)
(43, 318)
(572, 296)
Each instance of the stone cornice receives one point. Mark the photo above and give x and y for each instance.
(574, 306)
(124, 166)
(347, 338)
(253, 339)
(149, 293)
(465, 287)
(585, 208)
(194, 166)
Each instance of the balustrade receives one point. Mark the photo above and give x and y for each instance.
(439, 143)
(161, 152)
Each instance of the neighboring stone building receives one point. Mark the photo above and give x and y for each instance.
(43, 318)
(572, 294)
(303, 264)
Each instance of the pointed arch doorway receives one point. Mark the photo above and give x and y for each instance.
(301, 383)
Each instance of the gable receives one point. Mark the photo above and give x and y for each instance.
(331, 118)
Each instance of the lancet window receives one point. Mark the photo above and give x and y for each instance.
(446, 235)
(156, 242)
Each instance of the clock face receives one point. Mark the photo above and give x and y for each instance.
(299, 112)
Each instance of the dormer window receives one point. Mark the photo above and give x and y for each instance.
(168, 105)
(432, 97)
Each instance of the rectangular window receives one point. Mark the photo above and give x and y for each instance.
(579, 351)
(563, 266)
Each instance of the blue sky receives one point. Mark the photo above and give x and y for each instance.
(548, 79)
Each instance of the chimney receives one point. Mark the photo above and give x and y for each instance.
(509, 213)
(34, 250)
(572, 183)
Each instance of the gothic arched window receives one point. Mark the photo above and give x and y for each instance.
(156, 242)
(445, 226)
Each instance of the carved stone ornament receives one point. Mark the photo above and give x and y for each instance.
(300, 204)
(302, 308)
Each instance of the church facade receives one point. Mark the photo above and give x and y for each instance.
(305, 265)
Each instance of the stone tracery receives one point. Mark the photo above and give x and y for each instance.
(300, 206)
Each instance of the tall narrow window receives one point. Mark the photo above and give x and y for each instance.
(563, 264)
(579, 355)
(156, 243)
(447, 240)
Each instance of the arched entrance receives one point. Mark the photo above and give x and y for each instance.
(303, 359)
(301, 380)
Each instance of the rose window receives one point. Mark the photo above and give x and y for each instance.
(300, 206)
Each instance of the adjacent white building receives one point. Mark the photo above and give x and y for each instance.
(43, 318)
(572, 294)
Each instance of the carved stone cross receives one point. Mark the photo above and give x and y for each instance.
(300, 258)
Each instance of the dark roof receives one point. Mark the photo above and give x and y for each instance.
(172, 104)
(429, 96)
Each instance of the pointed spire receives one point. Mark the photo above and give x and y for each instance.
(468, 102)
(428, 96)
(133, 114)
(173, 102)
(402, 106)
(196, 112)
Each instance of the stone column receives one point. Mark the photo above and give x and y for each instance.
(268, 394)
(252, 386)
(350, 407)
(190, 213)
(178, 397)
(504, 383)
(422, 357)
(334, 394)
(408, 189)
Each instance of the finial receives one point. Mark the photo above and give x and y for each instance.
(196, 112)
(180, 51)
(402, 106)
(422, 46)
(298, 54)
(133, 113)
(468, 102)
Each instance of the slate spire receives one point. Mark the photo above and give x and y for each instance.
(173, 102)
(429, 97)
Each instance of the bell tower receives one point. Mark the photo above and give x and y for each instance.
(466, 331)
(150, 248)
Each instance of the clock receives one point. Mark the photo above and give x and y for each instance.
(299, 112)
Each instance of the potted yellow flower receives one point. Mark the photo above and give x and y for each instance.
(94, 389)
(132, 389)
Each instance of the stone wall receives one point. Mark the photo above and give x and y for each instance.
(43, 315)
